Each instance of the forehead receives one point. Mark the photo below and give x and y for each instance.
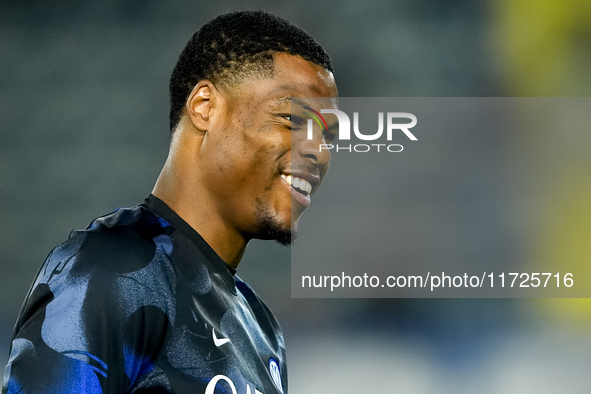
(306, 79)
(292, 77)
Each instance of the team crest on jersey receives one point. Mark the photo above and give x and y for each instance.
(275, 374)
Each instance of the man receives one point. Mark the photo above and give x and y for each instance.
(145, 298)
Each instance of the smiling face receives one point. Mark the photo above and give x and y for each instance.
(255, 157)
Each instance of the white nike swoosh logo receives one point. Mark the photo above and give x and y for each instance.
(218, 342)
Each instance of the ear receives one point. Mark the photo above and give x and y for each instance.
(200, 103)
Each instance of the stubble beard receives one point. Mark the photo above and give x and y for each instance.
(270, 228)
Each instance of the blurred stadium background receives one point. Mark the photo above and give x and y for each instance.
(84, 129)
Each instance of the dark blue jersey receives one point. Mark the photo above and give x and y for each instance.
(138, 302)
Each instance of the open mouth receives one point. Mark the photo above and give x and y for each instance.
(300, 185)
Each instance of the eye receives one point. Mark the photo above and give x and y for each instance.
(328, 136)
(296, 120)
(287, 117)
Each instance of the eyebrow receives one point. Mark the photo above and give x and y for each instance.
(298, 102)
(283, 100)
(289, 99)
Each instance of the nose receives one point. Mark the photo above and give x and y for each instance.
(314, 149)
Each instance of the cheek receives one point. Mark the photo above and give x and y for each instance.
(265, 147)
(241, 161)
(249, 153)
(225, 154)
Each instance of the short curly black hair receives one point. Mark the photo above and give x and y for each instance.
(234, 47)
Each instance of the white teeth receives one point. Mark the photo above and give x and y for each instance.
(297, 182)
(305, 186)
(287, 178)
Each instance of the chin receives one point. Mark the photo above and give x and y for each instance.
(272, 228)
(285, 236)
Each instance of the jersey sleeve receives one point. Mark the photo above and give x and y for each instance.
(93, 321)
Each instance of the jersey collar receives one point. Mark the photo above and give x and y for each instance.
(158, 207)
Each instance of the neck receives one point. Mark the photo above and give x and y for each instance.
(180, 187)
